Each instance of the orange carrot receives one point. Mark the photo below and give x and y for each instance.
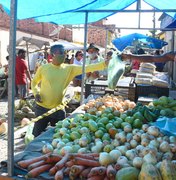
(25, 163)
(97, 171)
(111, 172)
(59, 174)
(84, 173)
(98, 177)
(76, 169)
(52, 171)
(67, 171)
(36, 164)
(37, 171)
(61, 163)
(91, 156)
(53, 158)
(86, 162)
(69, 163)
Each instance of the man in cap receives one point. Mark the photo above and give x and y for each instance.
(93, 57)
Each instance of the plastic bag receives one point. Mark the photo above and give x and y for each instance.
(116, 69)
(166, 125)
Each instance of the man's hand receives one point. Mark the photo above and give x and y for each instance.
(38, 98)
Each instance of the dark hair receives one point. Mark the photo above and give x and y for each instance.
(55, 48)
(157, 52)
(109, 53)
(7, 58)
(21, 51)
(77, 53)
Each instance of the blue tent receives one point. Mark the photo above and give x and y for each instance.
(128, 40)
(63, 11)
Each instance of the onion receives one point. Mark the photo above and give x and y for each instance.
(152, 130)
(47, 148)
(105, 159)
(122, 149)
(173, 147)
(155, 143)
(66, 149)
(55, 142)
(131, 154)
(115, 154)
(168, 156)
(129, 137)
(145, 142)
(128, 128)
(122, 137)
(133, 143)
(122, 160)
(172, 139)
(137, 162)
(3, 128)
(145, 127)
(164, 146)
(137, 137)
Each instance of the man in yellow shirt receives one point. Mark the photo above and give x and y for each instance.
(53, 79)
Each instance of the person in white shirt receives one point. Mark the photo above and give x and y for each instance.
(78, 60)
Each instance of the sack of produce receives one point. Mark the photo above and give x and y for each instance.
(146, 70)
(148, 65)
(147, 81)
(116, 69)
(144, 75)
(160, 83)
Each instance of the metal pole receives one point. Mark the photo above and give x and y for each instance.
(84, 60)
(11, 86)
(27, 52)
(106, 43)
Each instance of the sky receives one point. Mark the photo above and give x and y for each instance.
(131, 20)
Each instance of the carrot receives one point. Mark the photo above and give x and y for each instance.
(36, 164)
(59, 174)
(52, 171)
(37, 171)
(25, 163)
(61, 163)
(67, 171)
(98, 177)
(86, 162)
(84, 173)
(97, 171)
(91, 156)
(76, 169)
(69, 163)
(53, 158)
(110, 172)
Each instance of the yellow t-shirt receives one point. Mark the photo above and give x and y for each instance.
(55, 79)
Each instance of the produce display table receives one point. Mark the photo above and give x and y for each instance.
(125, 87)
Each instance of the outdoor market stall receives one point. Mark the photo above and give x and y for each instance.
(88, 8)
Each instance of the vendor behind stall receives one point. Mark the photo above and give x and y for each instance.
(53, 79)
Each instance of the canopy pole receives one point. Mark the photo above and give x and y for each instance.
(11, 86)
(139, 9)
(84, 58)
(106, 43)
(27, 52)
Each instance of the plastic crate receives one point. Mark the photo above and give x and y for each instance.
(128, 92)
(151, 91)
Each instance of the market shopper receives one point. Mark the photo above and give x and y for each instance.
(21, 74)
(53, 79)
(93, 57)
(78, 60)
(40, 61)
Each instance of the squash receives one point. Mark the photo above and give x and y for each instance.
(168, 170)
(3, 128)
(149, 172)
(127, 173)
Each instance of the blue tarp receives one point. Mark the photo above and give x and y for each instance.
(62, 11)
(128, 40)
